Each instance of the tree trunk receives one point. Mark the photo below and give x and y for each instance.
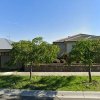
(31, 71)
(90, 78)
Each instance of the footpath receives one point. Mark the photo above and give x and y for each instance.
(55, 94)
(51, 73)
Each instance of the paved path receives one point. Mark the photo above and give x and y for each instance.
(51, 73)
(51, 94)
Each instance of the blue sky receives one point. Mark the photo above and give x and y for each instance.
(50, 19)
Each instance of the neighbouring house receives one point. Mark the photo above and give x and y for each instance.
(66, 44)
(5, 47)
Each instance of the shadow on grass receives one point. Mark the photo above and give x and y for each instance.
(50, 83)
(41, 83)
(8, 81)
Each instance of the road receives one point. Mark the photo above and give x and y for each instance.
(5, 97)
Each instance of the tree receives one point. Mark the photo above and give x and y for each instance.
(22, 52)
(96, 48)
(36, 51)
(86, 51)
(51, 52)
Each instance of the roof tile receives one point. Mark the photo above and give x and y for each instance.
(5, 44)
(78, 37)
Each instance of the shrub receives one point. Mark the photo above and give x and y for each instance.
(62, 61)
(56, 61)
(69, 60)
(64, 56)
(77, 61)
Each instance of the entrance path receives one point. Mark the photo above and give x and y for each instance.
(51, 73)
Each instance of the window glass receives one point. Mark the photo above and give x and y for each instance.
(61, 44)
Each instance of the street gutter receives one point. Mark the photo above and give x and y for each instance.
(56, 94)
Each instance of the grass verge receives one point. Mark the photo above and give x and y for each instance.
(56, 83)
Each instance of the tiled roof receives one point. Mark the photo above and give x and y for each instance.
(5, 44)
(78, 37)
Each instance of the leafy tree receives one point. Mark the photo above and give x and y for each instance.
(36, 51)
(50, 52)
(86, 51)
(96, 48)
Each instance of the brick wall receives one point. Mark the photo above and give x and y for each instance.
(60, 67)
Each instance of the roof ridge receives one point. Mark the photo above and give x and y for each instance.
(8, 42)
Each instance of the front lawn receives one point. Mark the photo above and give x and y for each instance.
(61, 83)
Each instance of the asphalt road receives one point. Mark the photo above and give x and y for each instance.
(4, 97)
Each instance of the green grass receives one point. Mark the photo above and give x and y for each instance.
(61, 83)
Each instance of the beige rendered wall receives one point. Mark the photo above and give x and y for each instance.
(62, 47)
(69, 46)
(65, 47)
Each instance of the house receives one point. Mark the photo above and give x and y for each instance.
(66, 44)
(5, 47)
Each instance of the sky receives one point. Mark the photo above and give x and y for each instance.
(50, 19)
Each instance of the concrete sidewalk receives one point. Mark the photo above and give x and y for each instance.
(58, 94)
(51, 73)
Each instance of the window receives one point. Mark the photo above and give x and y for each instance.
(61, 44)
(4, 53)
